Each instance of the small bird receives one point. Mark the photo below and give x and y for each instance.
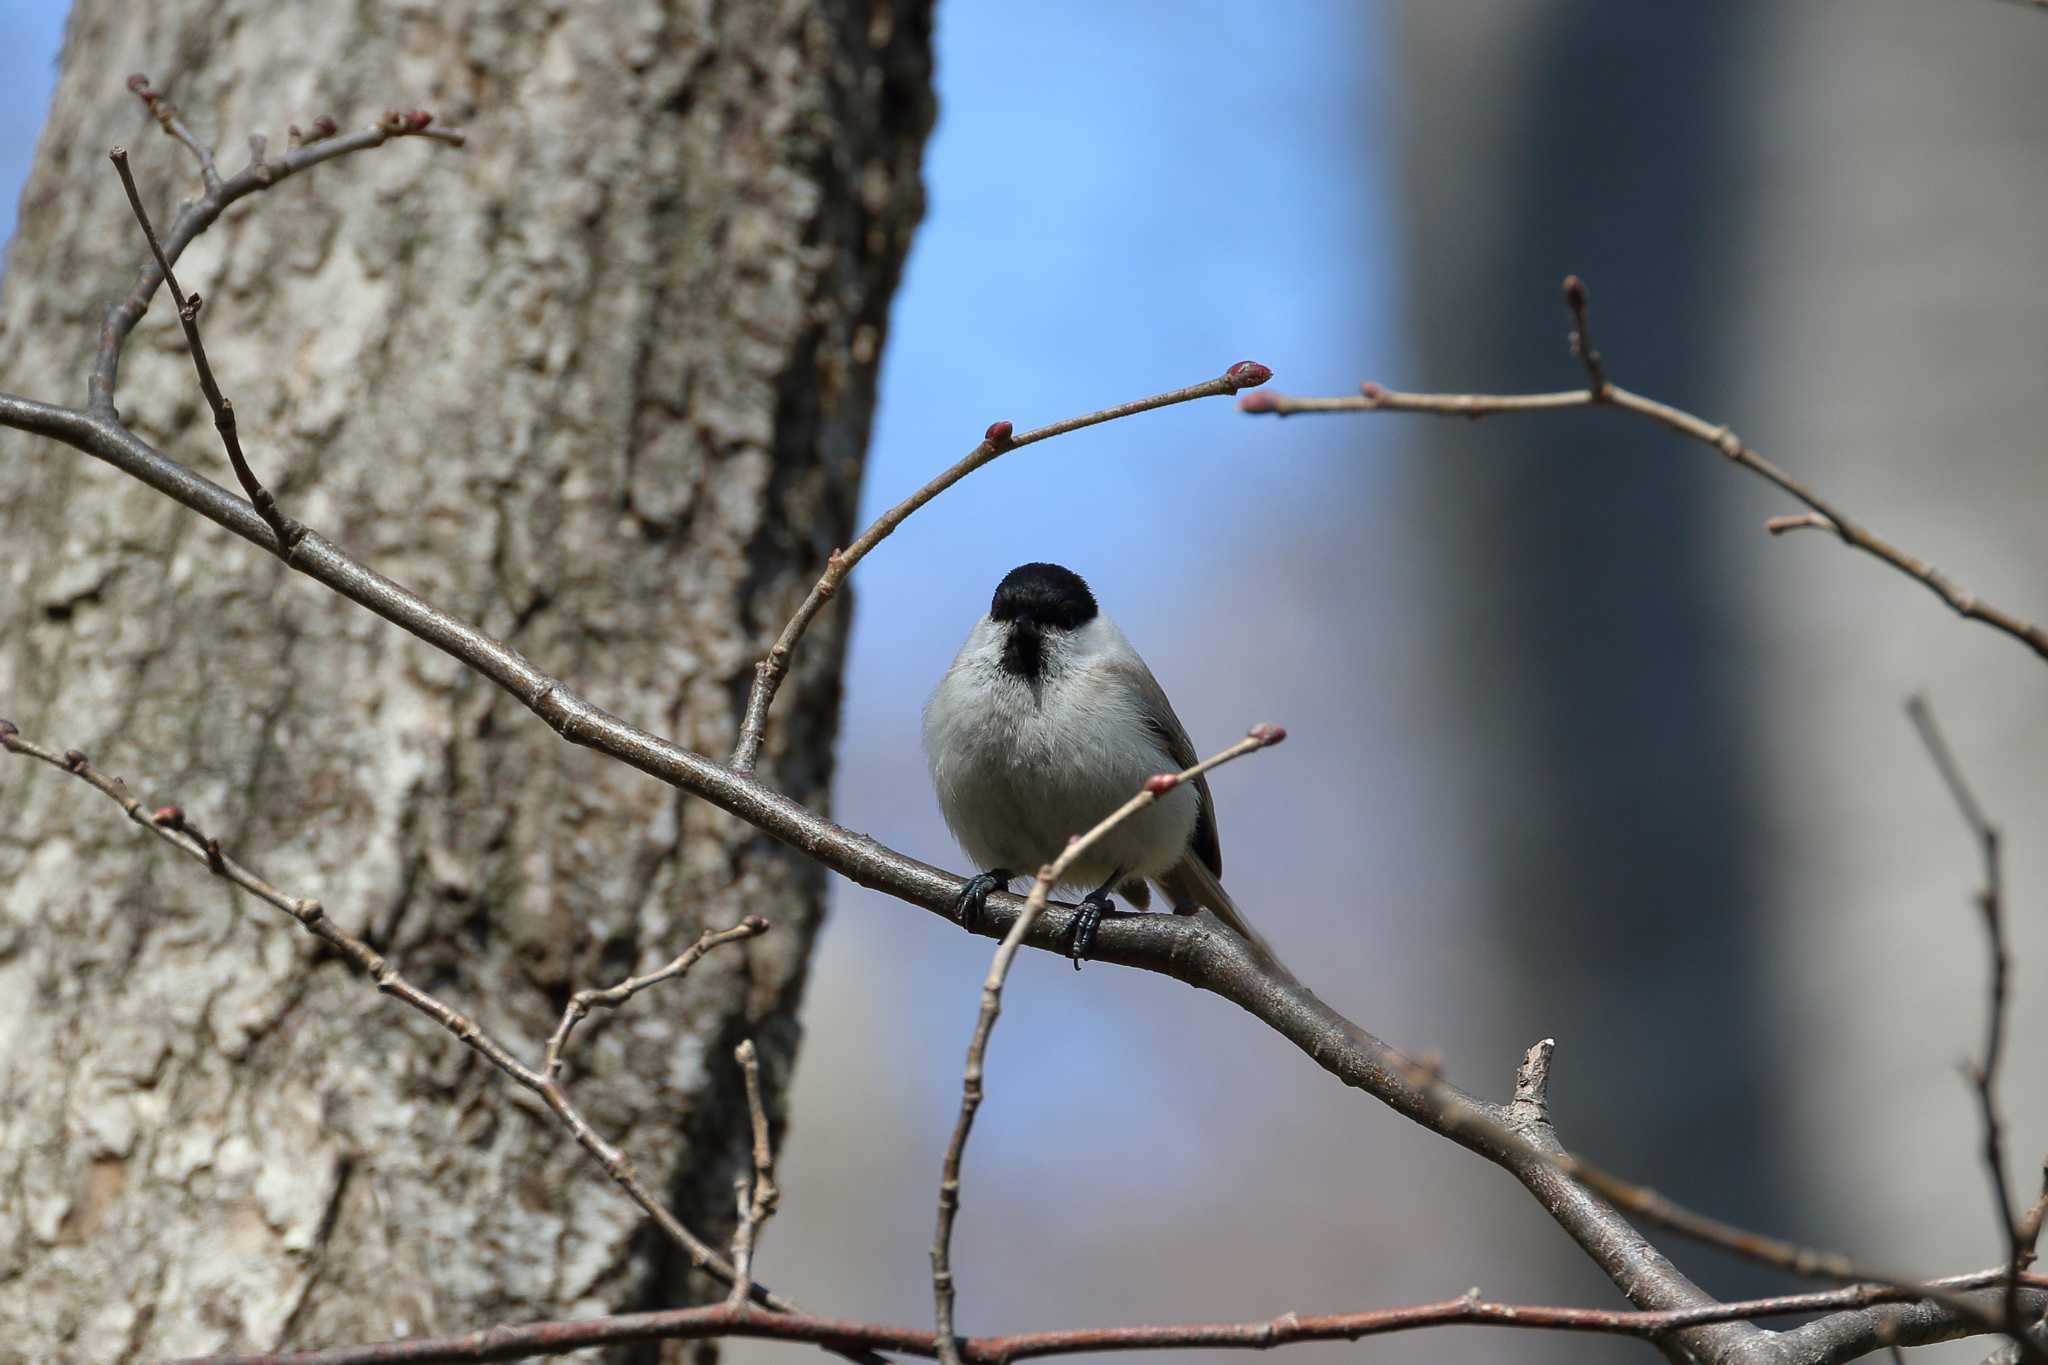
(1047, 721)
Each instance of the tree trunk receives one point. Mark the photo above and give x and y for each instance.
(600, 382)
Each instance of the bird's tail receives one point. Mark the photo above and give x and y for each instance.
(1191, 885)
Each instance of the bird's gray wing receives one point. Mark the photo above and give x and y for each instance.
(1161, 720)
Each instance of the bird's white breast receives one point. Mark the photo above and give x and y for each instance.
(1019, 768)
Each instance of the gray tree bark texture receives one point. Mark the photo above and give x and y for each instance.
(600, 382)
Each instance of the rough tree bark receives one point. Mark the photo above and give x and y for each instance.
(602, 382)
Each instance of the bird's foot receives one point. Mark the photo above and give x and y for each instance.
(973, 897)
(1087, 919)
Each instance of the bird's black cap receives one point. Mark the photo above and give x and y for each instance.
(1043, 595)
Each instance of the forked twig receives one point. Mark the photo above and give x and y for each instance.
(1824, 515)
(757, 1197)
(1983, 1073)
(171, 824)
(611, 997)
(1260, 737)
(287, 531)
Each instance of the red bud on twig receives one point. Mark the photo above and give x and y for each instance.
(1247, 374)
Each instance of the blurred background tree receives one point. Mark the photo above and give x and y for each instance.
(1589, 755)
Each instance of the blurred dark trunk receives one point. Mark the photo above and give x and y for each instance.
(1613, 805)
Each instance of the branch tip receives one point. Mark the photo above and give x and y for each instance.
(1247, 374)
(1257, 402)
(1532, 1080)
(1267, 735)
(8, 730)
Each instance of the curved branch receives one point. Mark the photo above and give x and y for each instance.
(1173, 945)
(726, 1320)
(998, 440)
(1604, 393)
(1049, 876)
(199, 214)
(170, 824)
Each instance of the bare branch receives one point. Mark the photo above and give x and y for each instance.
(1652, 1275)
(170, 824)
(999, 440)
(1533, 1128)
(727, 1320)
(173, 123)
(1582, 339)
(1179, 946)
(765, 1192)
(1983, 1074)
(1374, 398)
(1798, 521)
(614, 996)
(758, 1197)
(195, 216)
(1854, 1333)
(1260, 737)
(1531, 1104)
(283, 527)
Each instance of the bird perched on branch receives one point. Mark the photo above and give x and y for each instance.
(1048, 721)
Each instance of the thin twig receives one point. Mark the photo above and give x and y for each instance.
(1983, 1074)
(283, 527)
(173, 123)
(611, 997)
(502, 1343)
(1375, 398)
(2031, 1221)
(1532, 1080)
(998, 440)
(1582, 338)
(1259, 737)
(195, 216)
(170, 824)
(758, 1196)
(765, 1190)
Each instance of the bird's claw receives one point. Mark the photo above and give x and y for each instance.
(973, 897)
(1087, 919)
